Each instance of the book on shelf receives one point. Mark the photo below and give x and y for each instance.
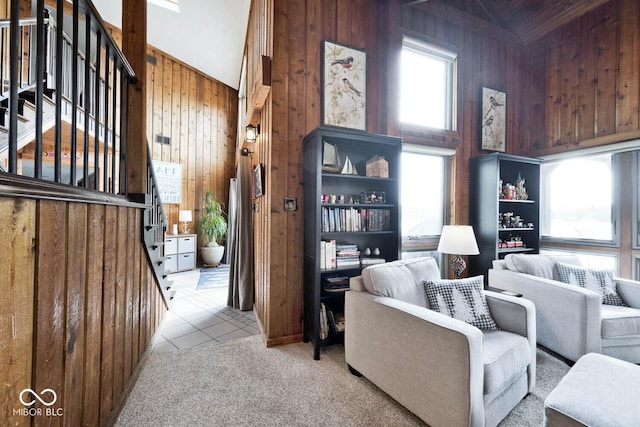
(372, 261)
(335, 321)
(327, 254)
(335, 284)
(343, 219)
(324, 324)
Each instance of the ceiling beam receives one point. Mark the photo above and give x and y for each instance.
(465, 19)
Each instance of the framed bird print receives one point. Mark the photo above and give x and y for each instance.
(344, 86)
(493, 121)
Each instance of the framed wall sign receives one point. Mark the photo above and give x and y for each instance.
(169, 178)
(344, 89)
(493, 121)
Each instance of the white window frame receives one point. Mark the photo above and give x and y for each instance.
(615, 212)
(450, 58)
(429, 243)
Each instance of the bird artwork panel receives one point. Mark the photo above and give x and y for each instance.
(494, 111)
(345, 86)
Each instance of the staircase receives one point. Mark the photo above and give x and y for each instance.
(72, 118)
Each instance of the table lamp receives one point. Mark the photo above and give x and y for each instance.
(458, 240)
(185, 217)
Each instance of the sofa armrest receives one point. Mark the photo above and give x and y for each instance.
(517, 315)
(356, 284)
(425, 360)
(567, 316)
(629, 290)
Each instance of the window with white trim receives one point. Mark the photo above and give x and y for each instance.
(427, 85)
(578, 199)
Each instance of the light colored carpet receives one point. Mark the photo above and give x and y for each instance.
(242, 383)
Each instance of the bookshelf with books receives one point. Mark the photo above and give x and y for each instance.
(351, 206)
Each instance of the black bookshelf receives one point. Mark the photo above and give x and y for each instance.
(496, 236)
(383, 234)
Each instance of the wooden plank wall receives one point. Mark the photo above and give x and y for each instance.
(584, 89)
(200, 116)
(79, 309)
(291, 33)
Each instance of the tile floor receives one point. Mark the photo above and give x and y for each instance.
(201, 317)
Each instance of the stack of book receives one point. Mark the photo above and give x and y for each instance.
(347, 255)
(335, 284)
(327, 254)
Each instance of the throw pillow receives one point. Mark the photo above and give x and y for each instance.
(600, 281)
(462, 299)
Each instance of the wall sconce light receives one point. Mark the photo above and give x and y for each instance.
(245, 152)
(252, 133)
(185, 217)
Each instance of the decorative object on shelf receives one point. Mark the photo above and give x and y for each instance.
(377, 197)
(213, 229)
(509, 191)
(344, 86)
(493, 119)
(378, 167)
(185, 217)
(330, 158)
(376, 252)
(258, 180)
(458, 240)
(521, 191)
(348, 168)
(174, 229)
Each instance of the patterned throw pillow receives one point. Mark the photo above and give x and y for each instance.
(600, 281)
(461, 299)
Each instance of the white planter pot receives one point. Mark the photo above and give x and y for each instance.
(212, 255)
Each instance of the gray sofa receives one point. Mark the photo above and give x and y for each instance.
(571, 320)
(447, 372)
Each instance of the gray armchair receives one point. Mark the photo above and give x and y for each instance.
(446, 371)
(571, 320)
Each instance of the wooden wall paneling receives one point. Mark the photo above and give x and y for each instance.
(536, 98)
(343, 21)
(139, 262)
(76, 249)
(50, 316)
(93, 310)
(166, 104)
(628, 106)
(553, 94)
(121, 304)
(568, 84)
(156, 104)
(184, 134)
(208, 149)
(188, 192)
(17, 302)
(607, 59)
(176, 103)
(587, 78)
(145, 312)
(109, 286)
(199, 143)
(129, 292)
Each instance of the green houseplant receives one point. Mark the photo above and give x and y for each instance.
(213, 229)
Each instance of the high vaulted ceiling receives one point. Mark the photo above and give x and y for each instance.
(527, 19)
(208, 35)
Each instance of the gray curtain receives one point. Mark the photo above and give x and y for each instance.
(240, 238)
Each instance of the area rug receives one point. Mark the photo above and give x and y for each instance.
(242, 383)
(213, 277)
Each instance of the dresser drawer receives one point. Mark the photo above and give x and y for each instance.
(186, 244)
(171, 263)
(170, 245)
(186, 261)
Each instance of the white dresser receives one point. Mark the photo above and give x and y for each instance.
(180, 252)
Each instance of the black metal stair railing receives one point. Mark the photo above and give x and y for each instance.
(155, 226)
(62, 81)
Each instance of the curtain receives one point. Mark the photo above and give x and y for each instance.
(240, 238)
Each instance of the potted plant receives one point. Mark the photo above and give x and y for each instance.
(213, 229)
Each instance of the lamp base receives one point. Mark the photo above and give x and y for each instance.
(185, 228)
(457, 265)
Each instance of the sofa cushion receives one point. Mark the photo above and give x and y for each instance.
(600, 281)
(505, 356)
(538, 265)
(620, 321)
(461, 299)
(401, 279)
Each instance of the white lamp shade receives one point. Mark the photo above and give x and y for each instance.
(458, 240)
(184, 216)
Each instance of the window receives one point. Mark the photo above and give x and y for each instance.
(423, 199)
(578, 200)
(589, 259)
(427, 85)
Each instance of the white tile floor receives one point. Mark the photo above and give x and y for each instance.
(201, 317)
